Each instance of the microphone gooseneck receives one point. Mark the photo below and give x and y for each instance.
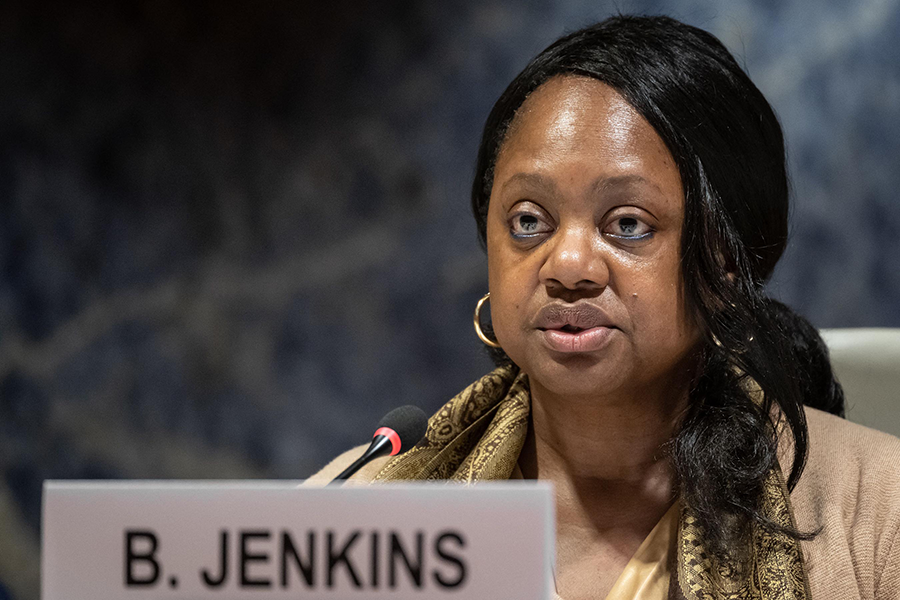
(397, 432)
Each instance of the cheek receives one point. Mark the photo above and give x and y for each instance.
(507, 292)
(511, 284)
(659, 310)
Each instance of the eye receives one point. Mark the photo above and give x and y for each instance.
(527, 225)
(628, 228)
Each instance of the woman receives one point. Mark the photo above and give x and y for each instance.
(632, 196)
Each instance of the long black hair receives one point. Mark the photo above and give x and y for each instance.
(729, 149)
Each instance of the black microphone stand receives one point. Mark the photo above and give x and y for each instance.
(380, 446)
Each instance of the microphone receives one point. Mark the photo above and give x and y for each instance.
(397, 432)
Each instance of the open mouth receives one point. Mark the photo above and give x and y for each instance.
(573, 339)
(574, 328)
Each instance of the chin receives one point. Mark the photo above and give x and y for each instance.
(577, 374)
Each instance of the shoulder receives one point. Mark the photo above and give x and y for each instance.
(839, 449)
(362, 477)
(851, 465)
(850, 493)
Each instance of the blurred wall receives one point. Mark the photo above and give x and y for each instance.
(233, 234)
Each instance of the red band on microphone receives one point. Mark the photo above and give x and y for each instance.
(391, 435)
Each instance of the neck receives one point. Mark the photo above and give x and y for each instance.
(606, 454)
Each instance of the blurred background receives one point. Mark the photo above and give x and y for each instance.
(234, 234)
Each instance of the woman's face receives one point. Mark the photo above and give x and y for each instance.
(583, 237)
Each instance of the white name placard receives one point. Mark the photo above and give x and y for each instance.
(261, 540)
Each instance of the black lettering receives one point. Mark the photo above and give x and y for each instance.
(148, 556)
(306, 568)
(247, 558)
(341, 557)
(414, 568)
(455, 559)
(373, 572)
(215, 582)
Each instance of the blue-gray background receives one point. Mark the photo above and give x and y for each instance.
(234, 234)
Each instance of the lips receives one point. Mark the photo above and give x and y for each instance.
(574, 328)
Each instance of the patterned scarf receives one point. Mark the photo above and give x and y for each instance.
(479, 434)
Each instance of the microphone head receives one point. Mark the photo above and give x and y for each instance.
(409, 422)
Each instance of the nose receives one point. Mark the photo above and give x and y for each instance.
(574, 267)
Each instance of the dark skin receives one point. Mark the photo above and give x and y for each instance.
(585, 217)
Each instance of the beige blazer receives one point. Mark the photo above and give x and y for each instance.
(849, 492)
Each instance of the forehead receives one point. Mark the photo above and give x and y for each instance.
(584, 125)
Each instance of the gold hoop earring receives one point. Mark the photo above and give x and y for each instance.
(477, 321)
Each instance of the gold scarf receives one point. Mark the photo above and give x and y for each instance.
(479, 434)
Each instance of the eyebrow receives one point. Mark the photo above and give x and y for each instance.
(531, 179)
(601, 184)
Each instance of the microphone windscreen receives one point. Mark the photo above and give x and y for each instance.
(409, 422)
